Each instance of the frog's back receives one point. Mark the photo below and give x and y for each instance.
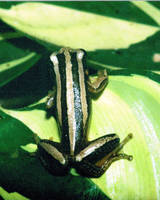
(72, 101)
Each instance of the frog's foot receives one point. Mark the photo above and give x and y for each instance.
(96, 158)
(51, 98)
(51, 156)
(99, 84)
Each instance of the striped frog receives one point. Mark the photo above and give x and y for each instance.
(72, 103)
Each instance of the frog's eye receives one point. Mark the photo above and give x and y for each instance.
(80, 54)
(84, 52)
(54, 58)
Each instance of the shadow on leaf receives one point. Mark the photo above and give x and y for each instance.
(23, 173)
(138, 59)
(120, 10)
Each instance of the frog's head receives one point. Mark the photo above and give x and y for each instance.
(66, 56)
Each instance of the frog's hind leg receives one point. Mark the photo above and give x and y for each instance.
(99, 154)
(51, 156)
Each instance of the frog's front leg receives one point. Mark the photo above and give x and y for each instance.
(96, 158)
(51, 98)
(99, 84)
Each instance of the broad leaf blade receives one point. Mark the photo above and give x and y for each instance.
(10, 70)
(55, 26)
(20, 171)
(129, 103)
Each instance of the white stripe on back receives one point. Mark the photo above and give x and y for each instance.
(70, 102)
(82, 87)
(54, 59)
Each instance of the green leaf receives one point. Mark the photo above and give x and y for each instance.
(127, 44)
(150, 10)
(128, 105)
(11, 196)
(55, 26)
(10, 70)
(24, 173)
(14, 60)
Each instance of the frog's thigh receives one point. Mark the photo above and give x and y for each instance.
(99, 148)
(52, 158)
